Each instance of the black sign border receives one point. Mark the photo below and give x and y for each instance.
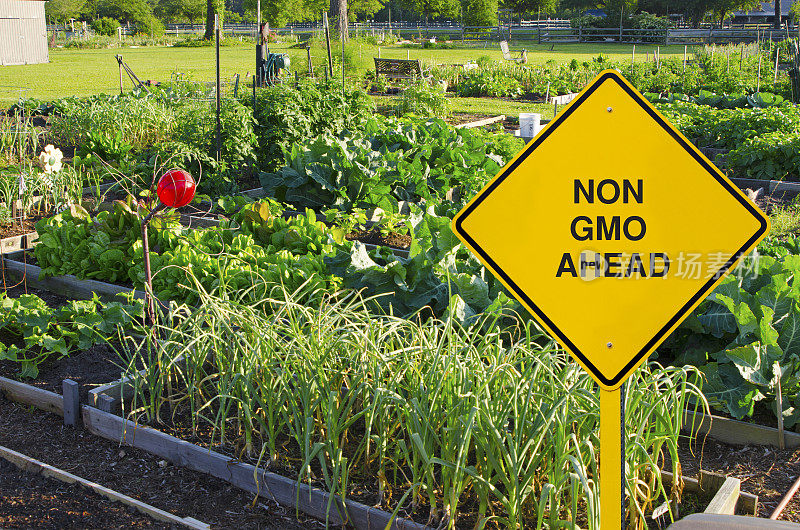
(684, 310)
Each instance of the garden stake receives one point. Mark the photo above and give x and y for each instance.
(328, 43)
(758, 81)
(777, 56)
(217, 30)
(149, 302)
(741, 58)
(779, 406)
(684, 60)
(175, 189)
(633, 56)
(342, 38)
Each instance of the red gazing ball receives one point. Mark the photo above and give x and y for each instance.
(176, 188)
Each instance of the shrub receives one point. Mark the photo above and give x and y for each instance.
(150, 26)
(105, 26)
(424, 99)
(284, 115)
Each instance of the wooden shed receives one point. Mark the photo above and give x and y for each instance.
(23, 33)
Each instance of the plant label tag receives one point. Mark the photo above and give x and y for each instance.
(610, 227)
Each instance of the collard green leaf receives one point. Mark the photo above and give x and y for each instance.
(726, 388)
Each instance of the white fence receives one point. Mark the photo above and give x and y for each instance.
(542, 31)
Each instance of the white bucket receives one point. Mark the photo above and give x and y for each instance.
(529, 124)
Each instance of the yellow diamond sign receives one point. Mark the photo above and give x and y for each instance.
(610, 227)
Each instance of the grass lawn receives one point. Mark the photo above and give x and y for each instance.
(87, 72)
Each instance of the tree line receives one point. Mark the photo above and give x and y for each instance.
(152, 14)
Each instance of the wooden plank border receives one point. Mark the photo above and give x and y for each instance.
(737, 432)
(30, 395)
(711, 483)
(481, 123)
(12, 244)
(282, 490)
(67, 285)
(31, 465)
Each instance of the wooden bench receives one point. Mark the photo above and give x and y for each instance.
(398, 68)
(523, 55)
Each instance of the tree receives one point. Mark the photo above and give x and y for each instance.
(535, 6)
(777, 22)
(180, 10)
(127, 10)
(279, 13)
(213, 7)
(480, 12)
(363, 8)
(721, 9)
(436, 8)
(63, 10)
(193, 10)
(338, 14)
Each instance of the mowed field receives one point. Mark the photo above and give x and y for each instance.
(73, 72)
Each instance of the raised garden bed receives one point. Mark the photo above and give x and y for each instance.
(139, 474)
(723, 491)
(37, 494)
(274, 487)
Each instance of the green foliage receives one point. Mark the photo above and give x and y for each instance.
(38, 332)
(143, 120)
(5, 215)
(150, 26)
(135, 11)
(112, 149)
(108, 247)
(773, 156)
(764, 142)
(63, 10)
(101, 248)
(285, 115)
(424, 99)
(479, 12)
(488, 84)
(180, 10)
(105, 26)
(194, 139)
(746, 335)
(388, 161)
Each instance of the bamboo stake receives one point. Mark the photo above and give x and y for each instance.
(758, 81)
(777, 57)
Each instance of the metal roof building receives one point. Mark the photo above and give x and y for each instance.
(23, 33)
(765, 12)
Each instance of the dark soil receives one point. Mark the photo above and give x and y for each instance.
(764, 471)
(139, 474)
(28, 500)
(768, 202)
(375, 237)
(89, 368)
(19, 227)
(51, 299)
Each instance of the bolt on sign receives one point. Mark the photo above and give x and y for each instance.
(610, 227)
(594, 224)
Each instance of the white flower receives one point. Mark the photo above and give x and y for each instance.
(50, 159)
